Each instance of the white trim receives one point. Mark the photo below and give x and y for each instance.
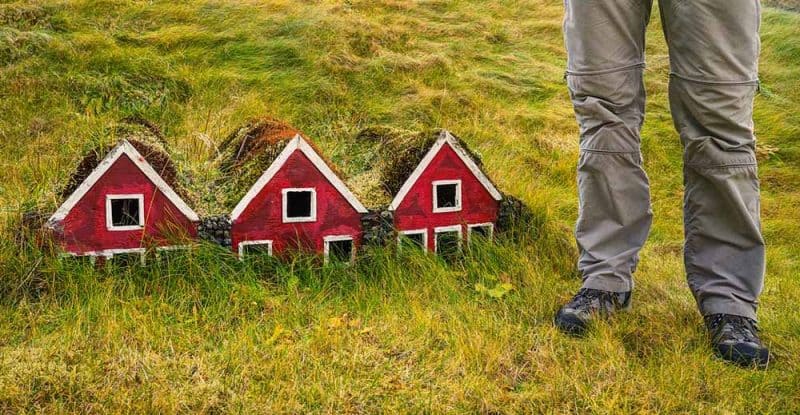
(160, 250)
(455, 208)
(92, 258)
(423, 231)
(444, 138)
(284, 204)
(335, 238)
(173, 248)
(109, 253)
(244, 244)
(489, 225)
(444, 229)
(110, 218)
(297, 143)
(126, 148)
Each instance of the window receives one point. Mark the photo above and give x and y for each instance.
(483, 231)
(82, 259)
(255, 248)
(448, 240)
(126, 257)
(339, 248)
(299, 205)
(172, 253)
(416, 239)
(446, 196)
(124, 212)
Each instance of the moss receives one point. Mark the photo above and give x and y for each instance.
(245, 154)
(395, 155)
(145, 138)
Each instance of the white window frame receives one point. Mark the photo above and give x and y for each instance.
(423, 231)
(108, 254)
(244, 244)
(457, 207)
(336, 238)
(313, 217)
(489, 225)
(162, 249)
(92, 256)
(110, 220)
(445, 229)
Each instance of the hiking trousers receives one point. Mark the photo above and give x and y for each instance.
(713, 52)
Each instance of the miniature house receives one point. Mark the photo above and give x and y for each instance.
(298, 203)
(121, 204)
(445, 200)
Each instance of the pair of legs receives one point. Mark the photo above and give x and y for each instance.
(713, 51)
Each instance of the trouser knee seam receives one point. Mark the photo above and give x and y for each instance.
(754, 81)
(601, 151)
(720, 166)
(633, 66)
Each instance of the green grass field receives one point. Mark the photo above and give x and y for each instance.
(412, 334)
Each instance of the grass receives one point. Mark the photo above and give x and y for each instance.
(206, 333)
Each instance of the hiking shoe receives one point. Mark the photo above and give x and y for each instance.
(735, 339)
(575, 316)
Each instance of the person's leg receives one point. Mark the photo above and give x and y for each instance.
(714, 47)
(605, 48)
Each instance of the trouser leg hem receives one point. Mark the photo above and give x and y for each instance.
(603, 284)
(735, 308)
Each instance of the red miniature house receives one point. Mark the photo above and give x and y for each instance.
(298, 203)
(122, 204)
(446, 199)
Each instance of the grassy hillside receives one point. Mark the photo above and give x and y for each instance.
(412, 334)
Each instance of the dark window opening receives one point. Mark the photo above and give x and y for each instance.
(127, 259)
(446, 195)
(412, 240)
(299, 204)
(256, 250)
(482, 232)
(173, 256)
(125, 212)
(340, 251)
(448, 244)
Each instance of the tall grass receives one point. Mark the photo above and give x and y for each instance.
(207, 333)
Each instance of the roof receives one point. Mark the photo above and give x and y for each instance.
(445, 139)
(155, 165)
(393, 159)
(247, 153)
(260, 137)
(298, 143)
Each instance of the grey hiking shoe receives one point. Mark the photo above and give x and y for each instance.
(735, 339)
(575, 316)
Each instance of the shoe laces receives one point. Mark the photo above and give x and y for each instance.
(585, 299)
(741, 328)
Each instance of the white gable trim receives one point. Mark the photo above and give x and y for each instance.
(444, 138)
(126, 148)
(297, 143)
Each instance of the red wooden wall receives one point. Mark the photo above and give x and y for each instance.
(263, 217)
(416, 210)
(84, 228)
